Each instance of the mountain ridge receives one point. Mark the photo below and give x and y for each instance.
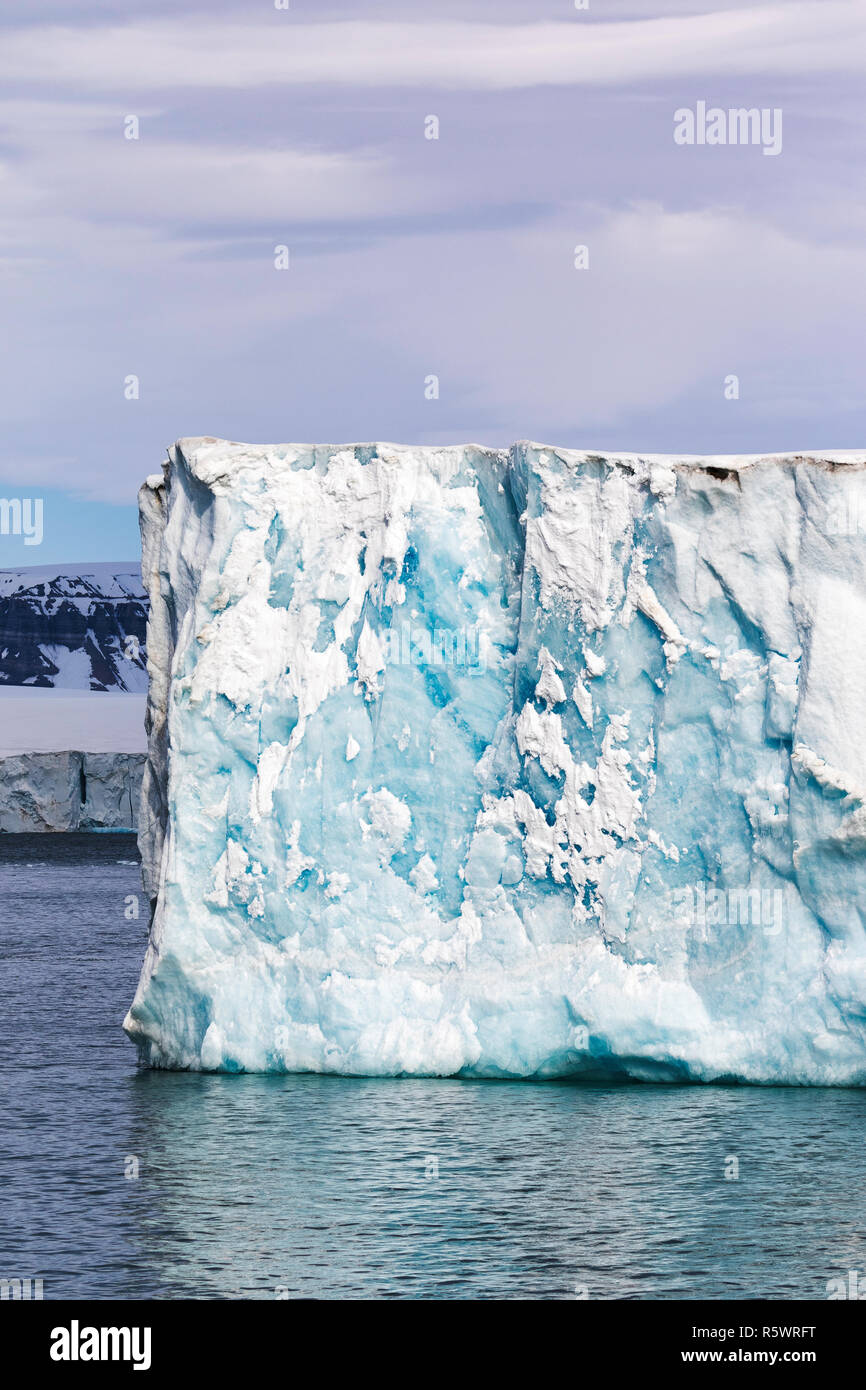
(74, 627)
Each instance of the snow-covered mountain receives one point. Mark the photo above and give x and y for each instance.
(74, 627)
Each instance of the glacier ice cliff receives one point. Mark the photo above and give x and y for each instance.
(521, 763)
(43, 792)
(70, 758)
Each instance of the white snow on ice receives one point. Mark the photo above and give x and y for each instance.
(54, 721)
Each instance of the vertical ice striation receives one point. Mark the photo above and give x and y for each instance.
(524, 763)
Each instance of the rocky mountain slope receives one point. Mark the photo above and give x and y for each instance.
(74, 627)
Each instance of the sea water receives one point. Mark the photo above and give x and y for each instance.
(117, 1182)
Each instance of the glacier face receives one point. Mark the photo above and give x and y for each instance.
(515, 763)
(50, 792)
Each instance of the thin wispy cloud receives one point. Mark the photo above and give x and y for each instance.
(410, 256)
(273, 47)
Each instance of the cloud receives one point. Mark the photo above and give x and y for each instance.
(74, 161)
(671, 304)
(198, 51)
(631, 353)
(409, 257)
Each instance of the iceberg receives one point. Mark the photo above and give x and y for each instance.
(519, 763)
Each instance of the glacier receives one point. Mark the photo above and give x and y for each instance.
(521, 763)
(43, 793)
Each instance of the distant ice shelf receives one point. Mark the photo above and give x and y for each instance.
(39, 720)
(524, 763)
(49, 792)
(70, 759)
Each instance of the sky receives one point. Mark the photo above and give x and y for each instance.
(142, 300)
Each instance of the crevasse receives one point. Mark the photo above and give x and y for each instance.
(522, 763)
